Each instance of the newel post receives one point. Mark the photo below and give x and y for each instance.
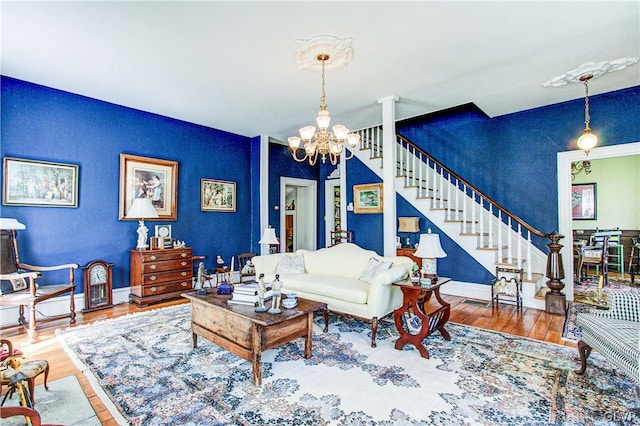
(555, 300)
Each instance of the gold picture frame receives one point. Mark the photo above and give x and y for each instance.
(152, 178)
(367, 198)
(217, 195)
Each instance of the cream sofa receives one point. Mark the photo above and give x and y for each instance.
(332, 275)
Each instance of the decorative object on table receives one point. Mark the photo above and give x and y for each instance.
(56, 183)
(368, 198)
(219, 261)
(201, 274)
(261, 294)
(408, 225)
(163, 233)
(276, 285)
(250, 294)
(179, 244)
(142, 209)
(429, 249)
(315, 53)
(225, 287)
(269, 238)
(290, 301)
(98, 285)
(150, 178)
(217, 195)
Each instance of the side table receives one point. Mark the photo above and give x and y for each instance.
(415, 299)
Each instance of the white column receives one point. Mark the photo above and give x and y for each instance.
(342, 165)
(264, 189)
(389, 173)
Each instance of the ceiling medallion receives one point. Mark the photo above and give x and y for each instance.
(596, 69)
(338, 50)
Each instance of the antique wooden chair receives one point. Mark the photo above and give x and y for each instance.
(596, 254)
(31, 369)
(25, 291)
(245, 266)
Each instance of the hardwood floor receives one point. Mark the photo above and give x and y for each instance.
(530, 323)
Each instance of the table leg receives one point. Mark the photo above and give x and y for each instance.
(308, 340)
(194, 340)
(411, 297)
(256, 358)
(445, 316)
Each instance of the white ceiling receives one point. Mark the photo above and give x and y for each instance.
(229, 65)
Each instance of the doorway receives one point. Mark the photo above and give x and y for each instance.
(565, 222)
(298, 214)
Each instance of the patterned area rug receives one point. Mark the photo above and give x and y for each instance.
(145, 366)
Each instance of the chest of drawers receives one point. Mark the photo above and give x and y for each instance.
(158, 275)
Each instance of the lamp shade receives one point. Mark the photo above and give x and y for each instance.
(142, 209)
(408, 224)
(268, 236)
(429, 247)
(9, 223)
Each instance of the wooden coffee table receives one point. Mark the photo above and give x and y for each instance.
(246, 333)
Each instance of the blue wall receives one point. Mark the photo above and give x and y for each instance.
(51, 125)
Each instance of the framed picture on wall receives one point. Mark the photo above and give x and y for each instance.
(39, 183)
(583, 201)
(152, 178)
(217, 195)
(367, 198)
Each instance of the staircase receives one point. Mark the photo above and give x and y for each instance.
(482, 227)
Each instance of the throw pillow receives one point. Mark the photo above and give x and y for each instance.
(373, 268)
(288, 264)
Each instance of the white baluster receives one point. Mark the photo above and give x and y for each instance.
(481, 213)
(464, 208)
(529, 272)
(474, 227)
(441, 187)
(510, 243)
(519, 253)
(490, 225)
(499, 235)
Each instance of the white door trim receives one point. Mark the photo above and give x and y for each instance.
(308, 209)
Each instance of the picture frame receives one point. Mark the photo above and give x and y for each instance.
(38, 183)
(584, 201)
(367, 198)
(152, 178)
(217, 195)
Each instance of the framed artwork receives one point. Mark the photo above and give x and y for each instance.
(583, 201)
(39, 183)
(367, 198)
(152, 178)
(217, 195)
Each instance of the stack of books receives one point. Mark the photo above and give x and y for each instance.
(247, 294)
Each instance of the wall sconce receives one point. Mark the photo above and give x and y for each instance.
(587, 140)
(429, 249)
(410, 225)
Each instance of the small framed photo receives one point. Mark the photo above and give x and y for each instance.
(152, 178)
(583, 201)
(39, 183)
(367, 198)
(217, 195)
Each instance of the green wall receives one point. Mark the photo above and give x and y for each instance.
(617, 193)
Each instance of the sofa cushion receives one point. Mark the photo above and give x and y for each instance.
(345, 259)
(343, 288)
(290, 264)
(373, 268)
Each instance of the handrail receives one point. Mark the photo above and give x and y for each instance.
(475, 189)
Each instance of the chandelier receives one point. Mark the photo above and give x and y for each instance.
(587, 140)
(323, 142)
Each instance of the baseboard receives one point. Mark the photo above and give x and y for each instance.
(483, 292)
(56, 306)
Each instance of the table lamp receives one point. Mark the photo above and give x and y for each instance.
(269, 237)
(429, 249)
(9, 224)
(142, 209)
(410, 225)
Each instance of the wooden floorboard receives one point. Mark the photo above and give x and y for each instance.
(530, 323)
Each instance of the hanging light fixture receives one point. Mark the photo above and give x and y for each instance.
(587, 140)
(323, 142)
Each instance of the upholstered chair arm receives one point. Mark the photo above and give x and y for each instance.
(265, 264)
(624, 305)
(384, 297)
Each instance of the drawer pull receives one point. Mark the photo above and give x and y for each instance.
(183, 254)
(153, 266)
(184, 284)
(153, 278)
(153, 289)
(184, 274)
(183, 263)
(153, 257)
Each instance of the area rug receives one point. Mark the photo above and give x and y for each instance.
(63, 404)
(145, 366)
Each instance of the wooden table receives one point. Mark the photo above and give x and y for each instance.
(246, 333)
(415, 298)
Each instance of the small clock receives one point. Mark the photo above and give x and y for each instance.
(98, 285)
(163, 231)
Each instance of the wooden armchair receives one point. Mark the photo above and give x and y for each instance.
(25, 291)
(245, 267)
(597, 254)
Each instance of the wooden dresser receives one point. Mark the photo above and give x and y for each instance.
(158, 275)
(408, 251)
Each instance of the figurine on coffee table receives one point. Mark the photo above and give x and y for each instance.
(277, 296)
(261, 291)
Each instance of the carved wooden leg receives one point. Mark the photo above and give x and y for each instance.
(585, 351)
(325, 313)
(72, 308)
(46, 376)
(21, 319)
(374, 329)
(31, 330)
